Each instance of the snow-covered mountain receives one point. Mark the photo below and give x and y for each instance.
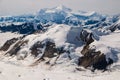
(56, 15)
(63, 40)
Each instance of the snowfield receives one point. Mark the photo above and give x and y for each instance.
(12, 69)
(13, 72)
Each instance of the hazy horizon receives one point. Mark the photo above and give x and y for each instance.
(19, 7)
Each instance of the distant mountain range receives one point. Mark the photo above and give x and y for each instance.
(26, 24)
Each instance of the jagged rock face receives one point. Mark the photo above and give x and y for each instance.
(86, 36)
(24, 28)
(101, 63)
(91, 57)
(50, 49)
(86, 51)
(94, 59)
(8, 43)
(17, 46)
(36, 49)
(47, 49)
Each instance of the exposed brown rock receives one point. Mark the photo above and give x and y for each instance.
(35, 49)
(49, 47)
(50, 50)
(93, 58)
(101, 63)
(86, 37)
(16, 47)
(8, 43)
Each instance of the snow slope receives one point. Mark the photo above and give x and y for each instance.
(109, 45)
(13, 72)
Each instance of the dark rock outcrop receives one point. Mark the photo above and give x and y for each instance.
(94, 59)
(36, 49)
(24, 28)
(47, 49)
(8, 43)
(87, 37)
(17, 46)
(91, 57)
(50, 49)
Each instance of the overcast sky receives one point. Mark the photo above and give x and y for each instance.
(17, 7)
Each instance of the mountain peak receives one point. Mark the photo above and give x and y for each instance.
(62, 7)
